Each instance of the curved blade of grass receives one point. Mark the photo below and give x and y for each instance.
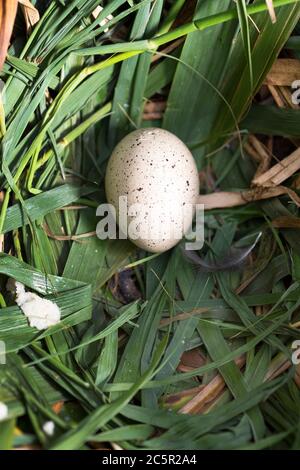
(97, 419)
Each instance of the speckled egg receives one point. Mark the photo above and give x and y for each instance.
(154, 172)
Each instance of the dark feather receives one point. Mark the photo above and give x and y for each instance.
(233, 260)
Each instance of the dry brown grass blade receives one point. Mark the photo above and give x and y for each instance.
(284, 72)
(224, 199)
(167, 50)
(206, 395)
(259, 153)
(277, 96)
(286, 221)
(179, 399)
(31, 14)
(2, 235)
(209, 393)
(182, 316)
(73, 207)
(279, 80)
(8, 10)
(221, 200)
(288, 97)
(297, 376)
(278, 366)
(282, 96)
(271, 10)
(289, 192)
(279, 172)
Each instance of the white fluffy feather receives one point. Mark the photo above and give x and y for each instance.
(41, 313)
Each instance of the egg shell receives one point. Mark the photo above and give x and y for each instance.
(154, 168)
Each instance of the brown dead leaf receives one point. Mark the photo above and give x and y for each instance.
(31, 14)
(67, 237)
(8, 10)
